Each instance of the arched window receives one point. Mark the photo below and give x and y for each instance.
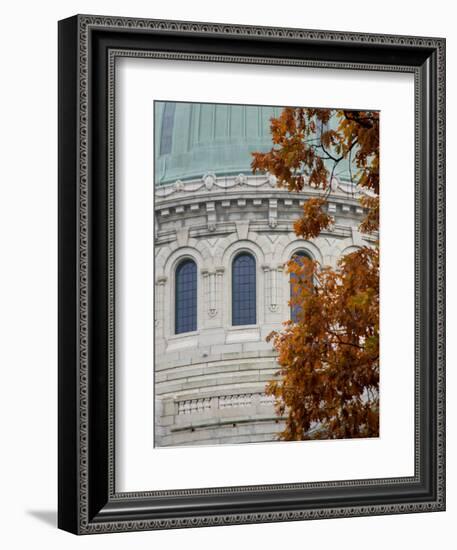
(243, 290)
(295, 309)
(186, 297)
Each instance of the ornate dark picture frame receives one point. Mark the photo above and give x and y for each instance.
(88, 47)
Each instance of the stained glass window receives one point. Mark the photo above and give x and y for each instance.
(243, 290)
(186, 297)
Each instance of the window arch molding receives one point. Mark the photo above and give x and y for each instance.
(349, 249)
(301, 252)
(298, 245)
(169, 271)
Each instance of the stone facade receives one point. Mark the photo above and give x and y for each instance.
(209, 384)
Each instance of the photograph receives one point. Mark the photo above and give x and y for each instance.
(251, 319)
(225, 306)
(266, 251)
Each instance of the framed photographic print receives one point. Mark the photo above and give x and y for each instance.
(251, 274)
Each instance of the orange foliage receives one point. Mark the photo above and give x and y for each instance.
(327, 385)
(313, 220)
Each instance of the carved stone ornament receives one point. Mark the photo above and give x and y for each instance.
(272, 180)
(241, 179)
(178, 185)
(209, 179)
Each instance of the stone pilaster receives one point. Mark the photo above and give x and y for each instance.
(159, 319)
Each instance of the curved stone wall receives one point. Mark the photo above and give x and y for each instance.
(209, 383)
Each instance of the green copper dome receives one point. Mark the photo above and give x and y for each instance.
(192, 139)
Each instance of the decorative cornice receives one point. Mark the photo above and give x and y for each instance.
(211, 183)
